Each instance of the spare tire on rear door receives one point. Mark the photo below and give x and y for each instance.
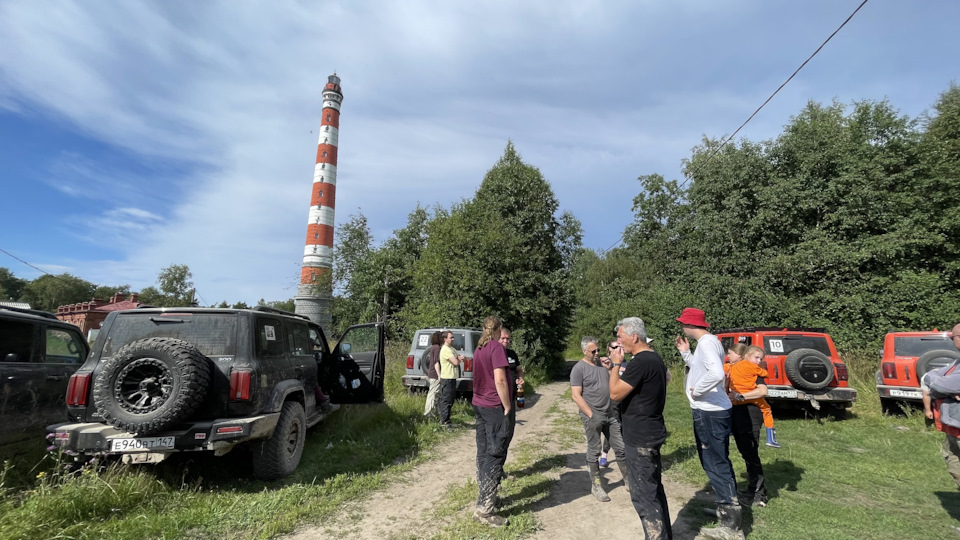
(935, 359)
(151, 385)
(808, 369)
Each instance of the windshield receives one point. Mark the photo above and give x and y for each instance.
(215, 334)
(781, 345)
(916, 346)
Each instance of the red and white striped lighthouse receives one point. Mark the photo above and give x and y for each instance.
(314, 296)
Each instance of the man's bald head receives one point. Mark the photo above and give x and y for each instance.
(956, 336)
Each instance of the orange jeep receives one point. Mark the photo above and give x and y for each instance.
(907, 356)
(802, 365)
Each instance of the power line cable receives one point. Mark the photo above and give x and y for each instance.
(775, 92)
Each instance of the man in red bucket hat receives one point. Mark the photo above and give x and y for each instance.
(705, 389)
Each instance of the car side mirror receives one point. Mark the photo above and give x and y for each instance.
(11, 357)
(345, 348)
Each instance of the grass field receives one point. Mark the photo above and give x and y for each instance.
(865, 476)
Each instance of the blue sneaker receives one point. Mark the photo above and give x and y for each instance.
(603, 459)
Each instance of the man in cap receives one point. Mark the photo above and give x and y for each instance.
(705, 389)
(941, 403)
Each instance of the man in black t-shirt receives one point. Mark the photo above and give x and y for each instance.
(642, 392)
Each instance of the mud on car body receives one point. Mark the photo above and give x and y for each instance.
(802, 365)
(38, 354)
(165, 380)
(905, 358)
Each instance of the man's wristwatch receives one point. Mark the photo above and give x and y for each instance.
(617, 364)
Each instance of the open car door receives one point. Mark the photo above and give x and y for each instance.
(360, 359)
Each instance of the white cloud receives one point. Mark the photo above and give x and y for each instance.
(593, 93)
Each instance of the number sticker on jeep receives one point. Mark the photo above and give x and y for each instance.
(270, 333)
(423, 340)
(776, 345)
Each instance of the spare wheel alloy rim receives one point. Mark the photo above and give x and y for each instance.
(143, 385)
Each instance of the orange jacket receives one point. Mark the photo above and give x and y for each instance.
(743, 375)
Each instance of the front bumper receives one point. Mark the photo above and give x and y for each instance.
(219, 435)
(900, 393)
(845, 396)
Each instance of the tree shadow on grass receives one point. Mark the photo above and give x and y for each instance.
(678, 455)
(781, 474)
(950, 500)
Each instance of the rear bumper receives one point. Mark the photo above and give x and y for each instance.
(900, 393)
(419, 381)
(218, 435)
(785, 394)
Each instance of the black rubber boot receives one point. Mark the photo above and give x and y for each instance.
(596, 489)
(729, 528)
(625, 473)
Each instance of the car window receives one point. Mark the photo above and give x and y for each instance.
(298, 338)
(213, 334)
(458, 340)
(422, 341)
(916, 346)
(270, 337)
(362, 339)
(475, 338)
(16, 341)
(318, 341)
(63, 347)
(781, 345)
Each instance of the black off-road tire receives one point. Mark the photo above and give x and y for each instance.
(801, 364)
(151, 385)
(278, 456)
(931, 360)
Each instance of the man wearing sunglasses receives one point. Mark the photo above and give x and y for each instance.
(590, 387)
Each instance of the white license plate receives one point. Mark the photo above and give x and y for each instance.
(782, 393)
(142, 443)
(912, 394)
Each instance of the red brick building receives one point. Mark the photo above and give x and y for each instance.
(89, 315)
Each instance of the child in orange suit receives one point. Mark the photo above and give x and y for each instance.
(742, 377)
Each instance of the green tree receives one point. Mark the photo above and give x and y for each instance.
(11, 287)
(48, 292)
(503, 252)
(174, 288)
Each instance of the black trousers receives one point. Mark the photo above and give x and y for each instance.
(494, 430)
(646, 491)
(448, 394)
(745, 423)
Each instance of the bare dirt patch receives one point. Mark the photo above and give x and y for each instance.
(569, 511)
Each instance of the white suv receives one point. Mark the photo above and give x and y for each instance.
(464, 342)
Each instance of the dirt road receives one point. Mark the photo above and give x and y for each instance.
(568, 512)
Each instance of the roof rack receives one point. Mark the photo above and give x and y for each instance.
(769, 329)
(37, 312)
(269, 309)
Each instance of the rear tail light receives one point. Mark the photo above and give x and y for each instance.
(468, 364)
(240, 384)
(229, 429)
(77, 389)
(888, 370)
(410, 362)
(842, 374)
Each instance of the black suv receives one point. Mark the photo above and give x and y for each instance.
(166, 380)
(38, 353)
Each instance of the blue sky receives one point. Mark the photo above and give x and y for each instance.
(135, 135)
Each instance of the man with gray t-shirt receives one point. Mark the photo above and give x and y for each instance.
(590, 386)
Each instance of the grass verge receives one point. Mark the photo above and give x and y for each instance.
(358, 450)
(863, 476)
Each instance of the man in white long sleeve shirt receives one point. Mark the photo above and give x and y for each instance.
(711, 418)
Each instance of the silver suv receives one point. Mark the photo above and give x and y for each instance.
(464, 341)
